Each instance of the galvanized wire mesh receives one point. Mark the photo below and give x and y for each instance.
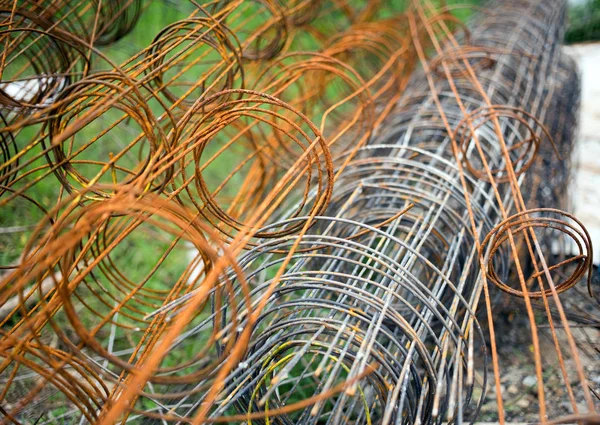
(327, 231)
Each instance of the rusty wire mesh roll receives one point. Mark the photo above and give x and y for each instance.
(47, 44)
(136, 152)
(445, 170)
(86, 100)
(262, 217)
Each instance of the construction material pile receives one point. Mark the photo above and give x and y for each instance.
(292, 212)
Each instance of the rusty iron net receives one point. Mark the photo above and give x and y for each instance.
(290, 212)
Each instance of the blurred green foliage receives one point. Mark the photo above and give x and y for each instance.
(584, 22)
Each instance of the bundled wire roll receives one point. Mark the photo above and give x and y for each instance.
(549, 182)
(389, 281)
(315, 257)
(143, 157)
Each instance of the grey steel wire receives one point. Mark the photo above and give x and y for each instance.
(362, 289)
